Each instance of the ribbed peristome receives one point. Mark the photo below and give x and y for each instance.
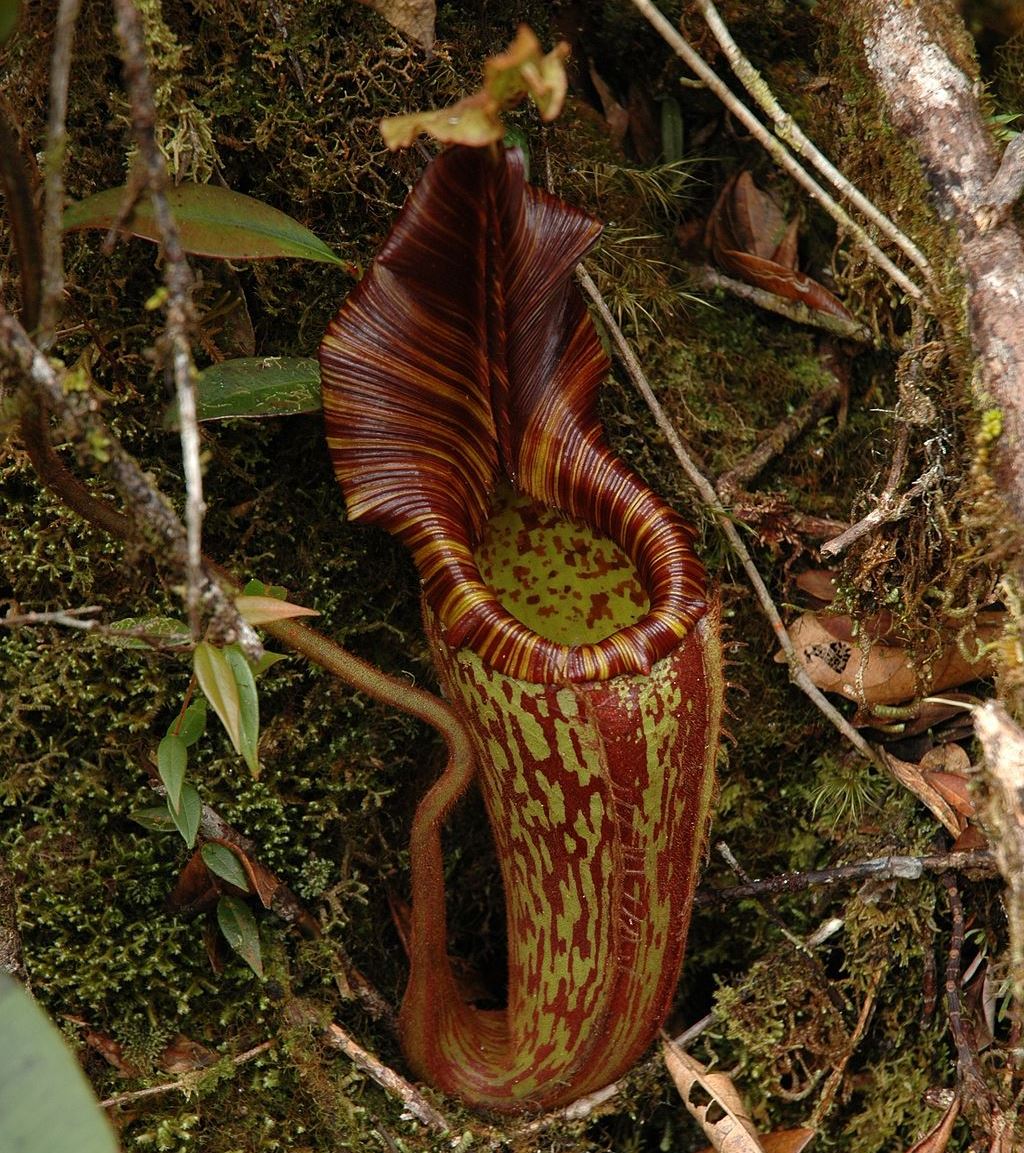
(465, 355)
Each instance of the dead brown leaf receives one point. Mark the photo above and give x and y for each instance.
(911, 777)
(936, 1140)
(196, 888)
(616, 117)
(747, 235)
(713, 1102)
(413, 18)
(185, 1056)
(869, 672)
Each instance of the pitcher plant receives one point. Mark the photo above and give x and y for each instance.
(568, 618)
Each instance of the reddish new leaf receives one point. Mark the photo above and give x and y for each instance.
(748, 236)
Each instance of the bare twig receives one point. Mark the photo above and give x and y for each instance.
(775, 148)
(789, 131)
(178, 282)
(150, 516)
(711, 499)
(783, 434)
(184, 1084)
(394, 1083)
(835, 1077)
(795, 310)
(896, 867)
(67, 618)
(890, 507)
(971, 1083)
(53, 198)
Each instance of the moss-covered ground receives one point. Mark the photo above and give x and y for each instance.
(289, 117)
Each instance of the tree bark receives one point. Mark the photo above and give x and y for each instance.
(934, 103)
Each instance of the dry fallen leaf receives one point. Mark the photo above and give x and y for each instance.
(713, 1102)
(936, 1140)
(185, 1056)
(616, 117)
(911, 777)
(748, 236)
(413, 18)
(870, 672)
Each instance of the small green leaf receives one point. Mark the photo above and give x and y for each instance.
(157, 819)
(46, 1104)
(166, 630)
(217, 680)
(255, 386)
(266, 661)
(186, 818)
(212, 221)
(9, 12)
(171, 761)
(261, 610)
(256, 588)
(222, 861)
(191, 726)
(240, 931)
(249, 708)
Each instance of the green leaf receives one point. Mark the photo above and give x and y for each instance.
(167, 630)
(249, 708)
(266, 661)
(240, 931)
(157, 819)
(212, 221)
(256, 588)
(217, 680)
(192, 725)
(255, 386)
(9, 12)
(187, 816)
(222, 861)
(46, 1104)
(171, 761)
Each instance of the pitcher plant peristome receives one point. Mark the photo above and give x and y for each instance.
(568, 619)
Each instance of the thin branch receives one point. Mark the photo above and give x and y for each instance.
(795, 310)
(53, 196)
(782, 435)
(184, 1084)
(151, 518)
(387, 1078)
(67, 618)
(711, 499)
(790, 132)
(835, 1077)
(775, 148)
(895, 867)
(890, 507)
(971, 1084)
(178, 282)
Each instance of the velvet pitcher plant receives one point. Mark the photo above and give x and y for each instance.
(567, 616)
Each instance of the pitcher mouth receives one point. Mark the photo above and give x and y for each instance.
(546, 596)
